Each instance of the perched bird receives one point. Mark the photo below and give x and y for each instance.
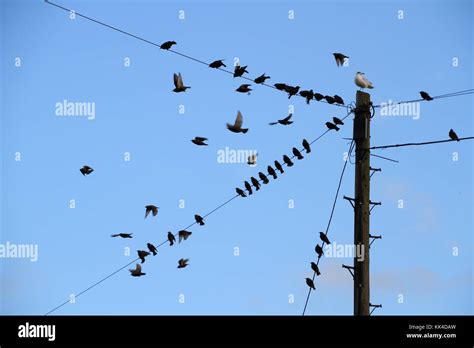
(240, 70)
(337, 121)
(255, 183)
(332, 126)
(248, 187)
(200, 141)
(217, 64)
(152, 248)
(142, 254)
(86, 170)
(318, 96)
(167, 45)
(183, 263)
(362, 82)
(329, 99)
(279, 167)
(338, 99)
(240, 192)
(261, 79)
(287, 160)
(272, 172)
(308, 95)
(319, 250)
(315, 268)
(237, 126)
(306, 146)
(137, 272)
(324, 238)
(285, 121)
(183, 234)
(292, 90)
(245, 88)
(151, 208)
(199, 219)
(310, 283)
(171, 238)
(123, 235)
(280, 86)
(252, 159)
(178, 83)
(263, 177)
(297, 153)
(453, 135)
(425, 96)
(340, 58)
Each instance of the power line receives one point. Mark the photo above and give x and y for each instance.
(330, 217)
(169, 50)
(418, 144)
(447, 95)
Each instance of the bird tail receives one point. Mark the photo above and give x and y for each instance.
(273, 123)
(336, 128)
(201, 223)
(244, 130)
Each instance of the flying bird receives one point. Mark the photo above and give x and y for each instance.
(137, 272)
(240, 70)
(263, 177)
(340, 58)
(199, 219)
(279, 167)
(248, 187)
(152, 248)
(167, 45)
(280, 86)
(319, 250)
(337, 121)
(332, 126)
(297, 153)
(123, 235)
(86, 170)
(178, 83)
(306, 146)
(362, 82)
(252, 160)
(310, 283)
(308, 95)
(285, 121)
(240, 192)
(338, 99)
(245, 88)
(425, 96)
(151, 208)
(324, 238)
(261, 79)
(217, 64)
(255, 183)
(171, 238)
(453, 135)
(183, 263)
(237, 126)
(329, 99)
(272, 172)
(200, 141)
(292, 90)
(318, 96)
(183, 234)
(142, 254)
(315, 268)
(287, 160)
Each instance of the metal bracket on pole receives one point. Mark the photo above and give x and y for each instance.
(373, 204)
(350, 269)
(374, 306)
(374, 238)
(351, 200)
(373, 170)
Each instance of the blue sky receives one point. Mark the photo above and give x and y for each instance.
(136, 112)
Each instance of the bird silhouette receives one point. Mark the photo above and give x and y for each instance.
(319, 250)
(151, 208)
(199, 219)
(292, 90)
(240, 192)
(310, 283)
(308, 95)
(263, 177)
(200, 141)
(123, 235)
(142, 254)
(287, 160)
(137, 272)
(453, 135)
(167, 45)
(332, 126)
(337, 121)
(361, 81)
(252, 160)
(285, 121)
(178, 83)
(245, 88)
(329, 99)
(240, 70)
(425, 96)
(152, 248)
(248, 187)
(272, 172)
(315, 268)
(279, 167)
(255, 183)
(237, 126)
(86, 170)
(338, 99)
(261, 79)
(306, 146)
(340, 58)
(217, 64)
(183, 234)
(280, 86)
(318, 96)
(297, 153)
(171, 238)
(324, 238)
(183, 263)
